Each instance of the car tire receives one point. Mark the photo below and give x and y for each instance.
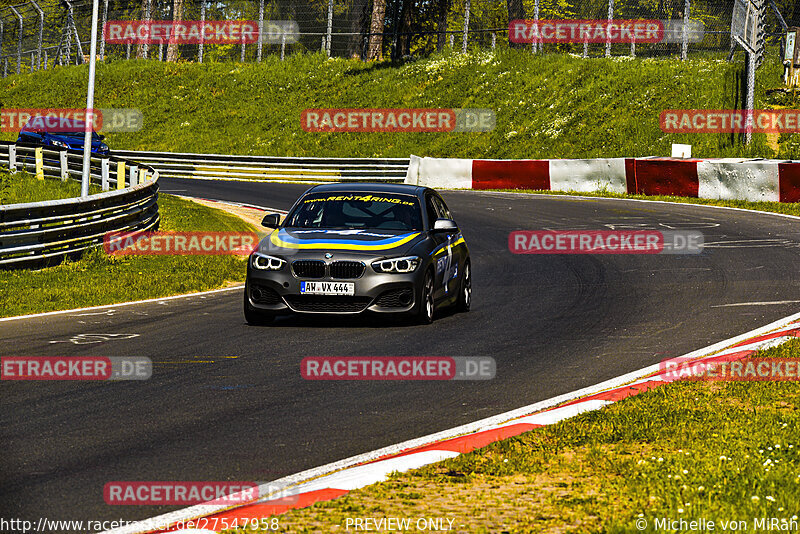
(465, 294)
(427, 305)
(253, 316)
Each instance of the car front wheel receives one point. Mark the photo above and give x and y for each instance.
(465, 296)
(426, 304)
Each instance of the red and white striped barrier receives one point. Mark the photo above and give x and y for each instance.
(334, 480)
(726, 179)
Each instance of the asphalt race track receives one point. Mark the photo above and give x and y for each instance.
(226, 400)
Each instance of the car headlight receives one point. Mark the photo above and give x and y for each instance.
(407, 264)
(58, 143)
(262, 262)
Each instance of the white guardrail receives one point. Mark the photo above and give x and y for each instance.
(38, 232)
(188, 165)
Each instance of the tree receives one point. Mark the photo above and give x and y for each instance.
(516, 11)
(142, 49)
(406, 23)
(443, 8)
(359, 18)
(376, 26)
(173, 53)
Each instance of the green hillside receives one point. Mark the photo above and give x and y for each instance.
(553, 106)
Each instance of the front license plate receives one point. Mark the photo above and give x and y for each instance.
(328, 288)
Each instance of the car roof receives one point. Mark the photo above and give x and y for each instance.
(369, 187)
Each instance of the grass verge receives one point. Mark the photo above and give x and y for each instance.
(23, 187)
(697, 451)
(97, 278)
(547, 106)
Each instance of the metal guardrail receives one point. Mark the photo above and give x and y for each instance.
(188, 165)
(36, 232)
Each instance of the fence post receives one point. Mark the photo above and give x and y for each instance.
(39, 163)
(494, 40)
(39, 36)
(64, 164)
(202, 33)
(685, 36)
(104, 174)
(261, 30)
(243, 48)
(33, 63)
(467, 8)
(283, 45)
(19, 39)
(535, 44)
(633, 46)
(147, 11)
(323, 44)
(128, 51)
(750, 99)
(45, 60)
(134, 171)
(610, 18)
(102, 52)
(12, 158)
(452, 38)
(120, 175)
(330, 28)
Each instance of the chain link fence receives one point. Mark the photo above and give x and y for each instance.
(42, 33)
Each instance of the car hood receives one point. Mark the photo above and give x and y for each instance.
(75, 139)
(371, 242)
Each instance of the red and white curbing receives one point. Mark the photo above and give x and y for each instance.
(725, 179)
(336, 479)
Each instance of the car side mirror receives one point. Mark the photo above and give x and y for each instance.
(445, 226)
(272, 220)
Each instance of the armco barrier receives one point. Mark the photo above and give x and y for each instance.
(727, 179)
(35, 232)
(188, 165)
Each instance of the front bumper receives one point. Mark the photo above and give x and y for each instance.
(279, 291)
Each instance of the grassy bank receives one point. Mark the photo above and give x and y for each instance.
(98, 279)
(713, 451)
(22, 187)
(552, 106)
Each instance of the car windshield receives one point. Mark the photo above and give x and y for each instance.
(357, 210)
